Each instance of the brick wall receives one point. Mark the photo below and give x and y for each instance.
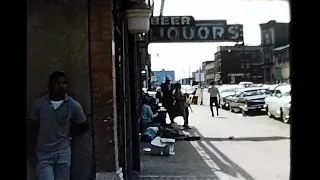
(58, 39)
(232, 63)
(102, 51)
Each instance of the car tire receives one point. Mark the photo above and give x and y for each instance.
(244, 113)
(283, 118)
(269, 113)
(231, 109)
(227, 106)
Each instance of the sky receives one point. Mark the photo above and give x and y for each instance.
(181, 57)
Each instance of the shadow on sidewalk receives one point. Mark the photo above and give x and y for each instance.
(192, 159)
(185, 162)
(220, 160)
(272, 138)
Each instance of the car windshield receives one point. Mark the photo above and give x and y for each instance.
(237, 93)
(230, 90)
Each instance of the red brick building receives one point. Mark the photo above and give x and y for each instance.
(234, 64)
(89, 41)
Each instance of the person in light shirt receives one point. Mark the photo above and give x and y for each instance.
(214, 94)
(55, 117)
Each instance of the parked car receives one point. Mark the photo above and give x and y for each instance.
(246, 84)
(248, 100)
(226, 93)
(279, 103)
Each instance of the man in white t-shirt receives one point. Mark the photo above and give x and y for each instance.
(214, 94)
(55, 116)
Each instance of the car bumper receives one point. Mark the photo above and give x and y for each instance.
(254, 107)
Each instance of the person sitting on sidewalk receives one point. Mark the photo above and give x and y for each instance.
(146, 115)
(161, 118)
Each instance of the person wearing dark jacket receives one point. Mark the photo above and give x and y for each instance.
(167, 98)
(180, 106)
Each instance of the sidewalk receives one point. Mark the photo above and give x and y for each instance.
(217, 157)
(185, 164)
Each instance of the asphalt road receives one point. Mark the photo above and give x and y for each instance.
(259, 149)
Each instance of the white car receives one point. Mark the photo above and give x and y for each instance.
(246, 84)
(279, 103)
(188, 89)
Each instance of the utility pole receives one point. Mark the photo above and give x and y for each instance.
(162, 7)
(199, 76)
(190, 76)
(184, 75)
(244, 61)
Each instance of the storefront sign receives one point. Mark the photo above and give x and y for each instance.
(186, 29)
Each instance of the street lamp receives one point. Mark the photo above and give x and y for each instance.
(138, 15)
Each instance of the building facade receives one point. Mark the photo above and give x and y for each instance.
(90, 42)
(199, 76)
(273, 35)
(203, 69)
(281, 64)
(209, 72)
(234, 64)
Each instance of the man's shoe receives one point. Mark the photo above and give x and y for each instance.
(186, 127)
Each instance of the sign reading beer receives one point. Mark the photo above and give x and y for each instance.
(186, 29)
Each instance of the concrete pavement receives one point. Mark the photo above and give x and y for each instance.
(259, 151)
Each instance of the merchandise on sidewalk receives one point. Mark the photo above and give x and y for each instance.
(162, 146)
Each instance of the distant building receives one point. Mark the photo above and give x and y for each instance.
(186, 81)
(198, 76)
(209, 72)
(234, 64)
(273, 35)
(159, 76)
(281, 64)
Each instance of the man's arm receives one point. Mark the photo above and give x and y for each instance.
(80, 124)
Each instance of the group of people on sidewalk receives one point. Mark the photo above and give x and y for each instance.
(172, 99)
(56, 117)
(176, 103)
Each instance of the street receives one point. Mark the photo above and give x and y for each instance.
(259, 149)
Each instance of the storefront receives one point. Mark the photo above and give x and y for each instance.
(89, 41)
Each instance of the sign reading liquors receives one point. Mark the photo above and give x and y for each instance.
(186, 29)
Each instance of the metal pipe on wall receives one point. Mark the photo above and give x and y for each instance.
(127, 101)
